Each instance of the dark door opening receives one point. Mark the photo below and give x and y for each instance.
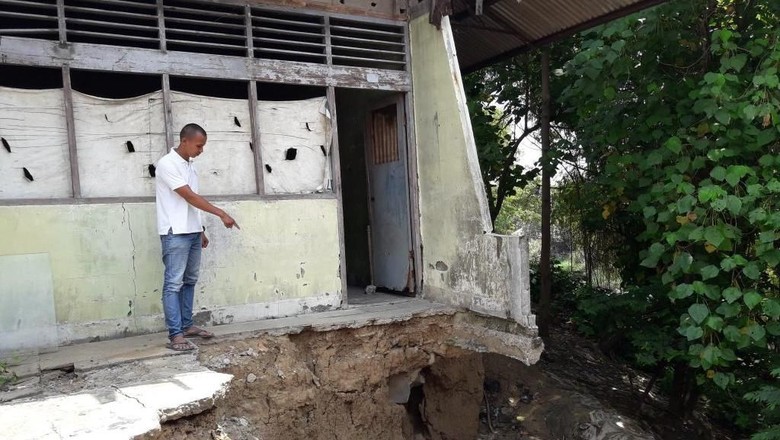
(375, 183)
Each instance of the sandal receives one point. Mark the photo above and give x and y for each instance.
(178, 343)
(196, 332)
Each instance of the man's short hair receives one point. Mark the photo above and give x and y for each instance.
(191, 130)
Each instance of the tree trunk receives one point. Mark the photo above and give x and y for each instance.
(545, 296)
(684, 395)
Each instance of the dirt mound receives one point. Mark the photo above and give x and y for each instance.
(398, 381)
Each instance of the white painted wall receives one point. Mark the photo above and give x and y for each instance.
(227, 165)
(32, 122)
(103, 128)
(305, 126)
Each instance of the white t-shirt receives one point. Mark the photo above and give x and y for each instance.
(173, 212)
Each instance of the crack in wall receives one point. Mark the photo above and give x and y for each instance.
(135, 271)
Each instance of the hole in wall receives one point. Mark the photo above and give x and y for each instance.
(287, 92)
(35, 78)
(114, 85)
(212, 87)
(290, 154)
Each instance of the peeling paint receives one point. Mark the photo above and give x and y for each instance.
(472, 268)
(104, 255)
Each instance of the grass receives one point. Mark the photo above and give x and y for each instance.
(7, 376)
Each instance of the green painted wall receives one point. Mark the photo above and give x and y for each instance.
(106, 267)
(464, 264)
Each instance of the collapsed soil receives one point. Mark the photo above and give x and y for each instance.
(343, 384)
(404, 381)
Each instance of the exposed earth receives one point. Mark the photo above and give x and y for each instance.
(402, 382)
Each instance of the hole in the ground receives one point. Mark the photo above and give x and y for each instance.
(414, 409)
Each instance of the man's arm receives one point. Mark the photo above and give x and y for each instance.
(199, 202)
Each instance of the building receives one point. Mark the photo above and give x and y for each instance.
(339, 138)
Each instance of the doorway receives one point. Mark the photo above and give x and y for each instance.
(376, 199)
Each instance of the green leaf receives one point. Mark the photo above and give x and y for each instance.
(685, 204)
(713, 235)
(683, 261)
(752, 299)
(721, 380)
(735, 173)
(654, 159)
(752, 271)
(709, 356)
(767, 237)
(714, 322)
(771, 308)
(709, 271)
(773, 328)
(723, 116)
(772, 258)
(757, 215)
(734, 204)
(650, 261)
(732, 294)
(728, 264)
(766, 160)
(756, 332)
(683, 291)
(674, 144)
(718, 173)
(728, 310)
(732, 333)
(649, 211)
(737, 62)
(693, 333)
(698, 312)
(657, 249)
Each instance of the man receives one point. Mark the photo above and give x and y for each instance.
(182, 234)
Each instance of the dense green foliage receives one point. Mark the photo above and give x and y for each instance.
(674, 115)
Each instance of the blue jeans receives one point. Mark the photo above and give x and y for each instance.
(181, 257)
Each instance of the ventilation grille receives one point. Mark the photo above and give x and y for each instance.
(130, 23)
(29, 18)
(288, 36)
(356, 43)
(212, 28)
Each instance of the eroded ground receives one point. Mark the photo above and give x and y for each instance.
(398, 381)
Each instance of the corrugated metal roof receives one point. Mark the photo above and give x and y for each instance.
(508, 27)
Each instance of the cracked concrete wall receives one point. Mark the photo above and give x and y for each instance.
(106, 268)
(464, 263)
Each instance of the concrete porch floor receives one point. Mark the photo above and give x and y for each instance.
(148, 384)
(362, 310)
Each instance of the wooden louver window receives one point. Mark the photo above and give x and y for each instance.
(384, 131)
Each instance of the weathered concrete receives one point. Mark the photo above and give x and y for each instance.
(118, 403)
(88, 356)
(106, 270)
(147, 384)
(464, 263)
(486, 334)
(27, 315)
